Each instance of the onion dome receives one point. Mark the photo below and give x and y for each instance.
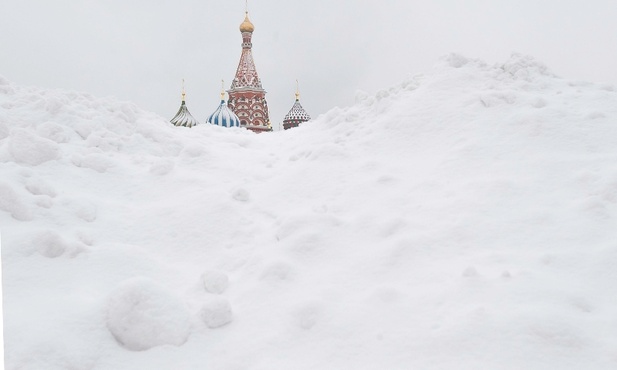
(247, 26)
(223, 116)
(296, 115)
(183, 117)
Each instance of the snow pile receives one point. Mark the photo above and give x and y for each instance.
(142, 315)
(464, 219)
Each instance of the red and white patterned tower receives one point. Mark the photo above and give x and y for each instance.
(247, 98)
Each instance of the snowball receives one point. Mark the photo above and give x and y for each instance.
(10, 202)
(32, 150)
(52, 131)
(142, 315)
(216, 313)
(215, 282)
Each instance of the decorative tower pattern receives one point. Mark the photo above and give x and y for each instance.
(247, 98)
(183, 117)
(297, 114)
(223, 116)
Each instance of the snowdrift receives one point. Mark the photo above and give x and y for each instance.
(464, 219)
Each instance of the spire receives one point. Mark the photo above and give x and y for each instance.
(297, 90)
(247, 97)
(247, 26)
(222, 90)
(183, 117)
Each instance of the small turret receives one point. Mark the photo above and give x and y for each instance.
(297, 115)
(184, 118)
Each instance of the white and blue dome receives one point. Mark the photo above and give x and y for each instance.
(223, 116)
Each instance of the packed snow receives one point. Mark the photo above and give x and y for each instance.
(464, 219)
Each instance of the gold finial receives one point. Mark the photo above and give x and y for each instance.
(297, 90)
(247, 26)
(183, 91)
(222, 89)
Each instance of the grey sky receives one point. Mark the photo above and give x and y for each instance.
(140, 50)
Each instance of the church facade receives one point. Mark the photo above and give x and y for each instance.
(247, 104)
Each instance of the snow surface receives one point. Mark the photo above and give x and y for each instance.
(464, 219)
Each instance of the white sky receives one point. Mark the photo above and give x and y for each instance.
(140, 50)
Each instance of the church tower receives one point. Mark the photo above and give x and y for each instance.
(247, 98)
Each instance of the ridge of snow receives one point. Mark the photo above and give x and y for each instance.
(461, 219)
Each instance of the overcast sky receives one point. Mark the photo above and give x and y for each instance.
(139, 50)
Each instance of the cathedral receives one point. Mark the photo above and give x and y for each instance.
(247, 106)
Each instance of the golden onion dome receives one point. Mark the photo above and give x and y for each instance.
(247, 26)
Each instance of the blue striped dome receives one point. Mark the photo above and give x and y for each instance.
(223, 116)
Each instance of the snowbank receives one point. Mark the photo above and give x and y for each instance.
(463, 219)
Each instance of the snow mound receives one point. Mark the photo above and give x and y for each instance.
(11, 202)
(52, 245)
(29, 149)
(142, 315)
(462, 219)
